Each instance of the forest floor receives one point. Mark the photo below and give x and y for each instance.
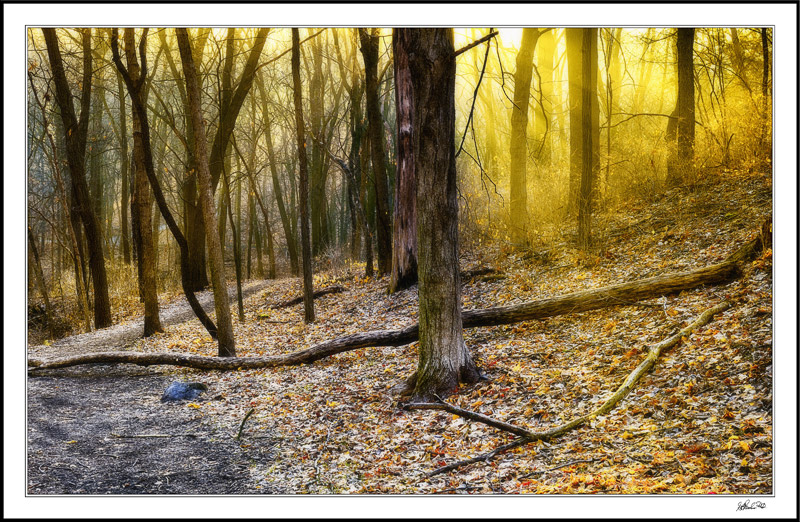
(700, 422)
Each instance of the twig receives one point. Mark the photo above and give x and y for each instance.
(566, 464)
(241, 426)
(480, 458)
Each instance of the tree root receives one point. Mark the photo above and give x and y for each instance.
(526, 436)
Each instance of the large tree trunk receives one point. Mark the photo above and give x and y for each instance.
(227, 344)
(75, 134)
(681, 166)
(141, 198)
(308, 282)
(518, 218)
(444, 360)
(404, 253)
(383, 222)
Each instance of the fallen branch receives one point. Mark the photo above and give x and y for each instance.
(613, 295)
(319, 293)
(624, 389)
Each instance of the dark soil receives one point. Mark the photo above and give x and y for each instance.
(90, 429)
(104, 430)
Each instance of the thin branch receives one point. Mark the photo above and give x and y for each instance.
(488, 37)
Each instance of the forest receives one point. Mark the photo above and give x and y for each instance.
(362, 260)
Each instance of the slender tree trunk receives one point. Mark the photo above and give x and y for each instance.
(518, 218)
(589, 61)
(444, 360)
(80, 288)
(383, 222)
(147, 272)
(37, 268)
(766, 94)
(123, 159)
(308, 283)
(237, 250)
(681, 167)
(363, 195)
(75, 134)
(291, 240)
(227, 344)
(404, 254)
(543, 115)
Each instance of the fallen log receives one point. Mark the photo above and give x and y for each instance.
(614, 295)
(319, 293)
(526, 436)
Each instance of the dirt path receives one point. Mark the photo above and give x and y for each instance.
(102, 429)
(121, 336)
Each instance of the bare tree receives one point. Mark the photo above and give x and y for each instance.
(227, 344)
(75, 132)
(308, 282)
(383, 221)
(518, 221)
(681, 166)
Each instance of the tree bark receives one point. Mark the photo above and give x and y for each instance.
(227, 344)
(383, 226)
(404, 253)
(141, 197)
(75, 134)
(308, 282)
(444, 360)
(518, 218)
(123, 160)
(681, 166)
(589, 92)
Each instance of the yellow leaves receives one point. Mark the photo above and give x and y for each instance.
(193, 405)
(627, 435)
(71, 442)
(744, 445)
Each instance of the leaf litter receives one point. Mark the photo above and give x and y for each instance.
(699, 423)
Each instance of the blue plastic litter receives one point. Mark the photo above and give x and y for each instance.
(181, 391)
